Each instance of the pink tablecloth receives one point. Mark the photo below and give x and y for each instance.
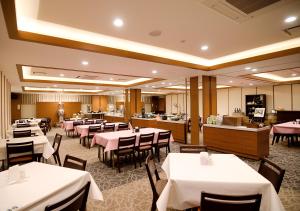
(286, 128)
(67, 125)
(110, 140)
(83, 130)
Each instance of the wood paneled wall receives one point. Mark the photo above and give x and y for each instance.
(5, 105)
(28, 98)
(16, 107)
(99, 102)
(49, 109)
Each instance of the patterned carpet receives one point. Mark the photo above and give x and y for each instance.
(130, 190)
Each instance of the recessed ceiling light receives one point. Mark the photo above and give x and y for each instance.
(153, 86)
(61, 75)
(55, 85)
(170, 83)
(85, 63)
(247, 68)
(204, 47)
(118, 22)
(230, 81)
(290, 19)
(154, 71)
(294, 74)
(146, 86)
(111, 79)
(251, 84)
(254, 70)
(162, 83)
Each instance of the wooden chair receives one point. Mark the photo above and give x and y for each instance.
(158, 185)
(109, 128)
(126, 146)
(145, 144)
(75, 123)
(21, 133)
(272, 172)
(99, 121)
(89, 122)
(19, 153)
(76, 201)
(217, 202)
(91, 133)
(163, 140)
(56, 145)
(74, 163)
(193, 148)
(23, 125)
(123, 126)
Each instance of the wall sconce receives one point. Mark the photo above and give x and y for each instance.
(19, 107)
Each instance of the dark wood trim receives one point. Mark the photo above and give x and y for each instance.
(8, 7)
(194, 113)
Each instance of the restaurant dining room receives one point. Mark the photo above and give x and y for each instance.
(174, 105)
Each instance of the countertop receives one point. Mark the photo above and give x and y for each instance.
(167, 121)
(237, 127)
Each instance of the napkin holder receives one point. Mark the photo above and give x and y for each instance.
(136, 129)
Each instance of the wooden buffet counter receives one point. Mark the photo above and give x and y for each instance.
(114, 118)
(178, 128)
(247, 142)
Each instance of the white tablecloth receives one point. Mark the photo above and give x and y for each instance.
(41, 145)
(44, 184)
(227, 174)
(110, 139)
(35, 129)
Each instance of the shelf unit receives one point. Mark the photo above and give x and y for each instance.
(253, 102)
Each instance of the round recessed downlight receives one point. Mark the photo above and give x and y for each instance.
(247, 68)
(294, 74)
(111, 79)
(290, 19)
(85, 63)
(154, 71)
(162, 83)
(61, 75)
(230, 81)
(204, 47)
(251, 84)
(118, 22)
(254, 70)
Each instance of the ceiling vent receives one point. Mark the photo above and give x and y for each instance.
(293, 31)
(242, 10)
(87, 77)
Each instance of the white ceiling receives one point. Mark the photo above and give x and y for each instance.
(178, 20)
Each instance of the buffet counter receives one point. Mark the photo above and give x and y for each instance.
(178, 128)
(111, 117)
(240, 140)
(98, 115)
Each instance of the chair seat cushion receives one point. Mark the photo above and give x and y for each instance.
(160, 185)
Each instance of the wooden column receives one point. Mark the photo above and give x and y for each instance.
(134, 104)
(209, 101)
(127, 106)
(194, 93)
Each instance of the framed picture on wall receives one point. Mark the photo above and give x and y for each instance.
(259, 112)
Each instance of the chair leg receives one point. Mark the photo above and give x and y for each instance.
(118, 161)
(54, 156)
(153, 207)
(139, 157)
(158, 154)
(58, 158)
(274, 136)
(133, 156)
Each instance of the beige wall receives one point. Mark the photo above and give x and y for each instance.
(5, 105)
(283, 96)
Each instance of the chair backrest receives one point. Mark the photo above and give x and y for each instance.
(126, 142)
(74, 163)
(109, 128)
(152, 172)
(19, 149)
(216, 202)
(89, 122)
(146, 139)
(193, 148)
(75, 123)
(271, 172)
(19, 125)
(21, 121)
(22, 133)
(94, 129)
(77, 201)
(123, 126)
(99, 121)
(165, 135)
(56, 141)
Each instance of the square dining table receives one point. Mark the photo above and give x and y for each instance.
(34, 129)
(43, 185)
(286, 128)
(41, 144)
(225, 174)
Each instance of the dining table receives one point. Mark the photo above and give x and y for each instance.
(109, 140)
(41, 185)
(286, 128)
(224, 174)
(34, 130)
(41, 144)
(83, 130)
